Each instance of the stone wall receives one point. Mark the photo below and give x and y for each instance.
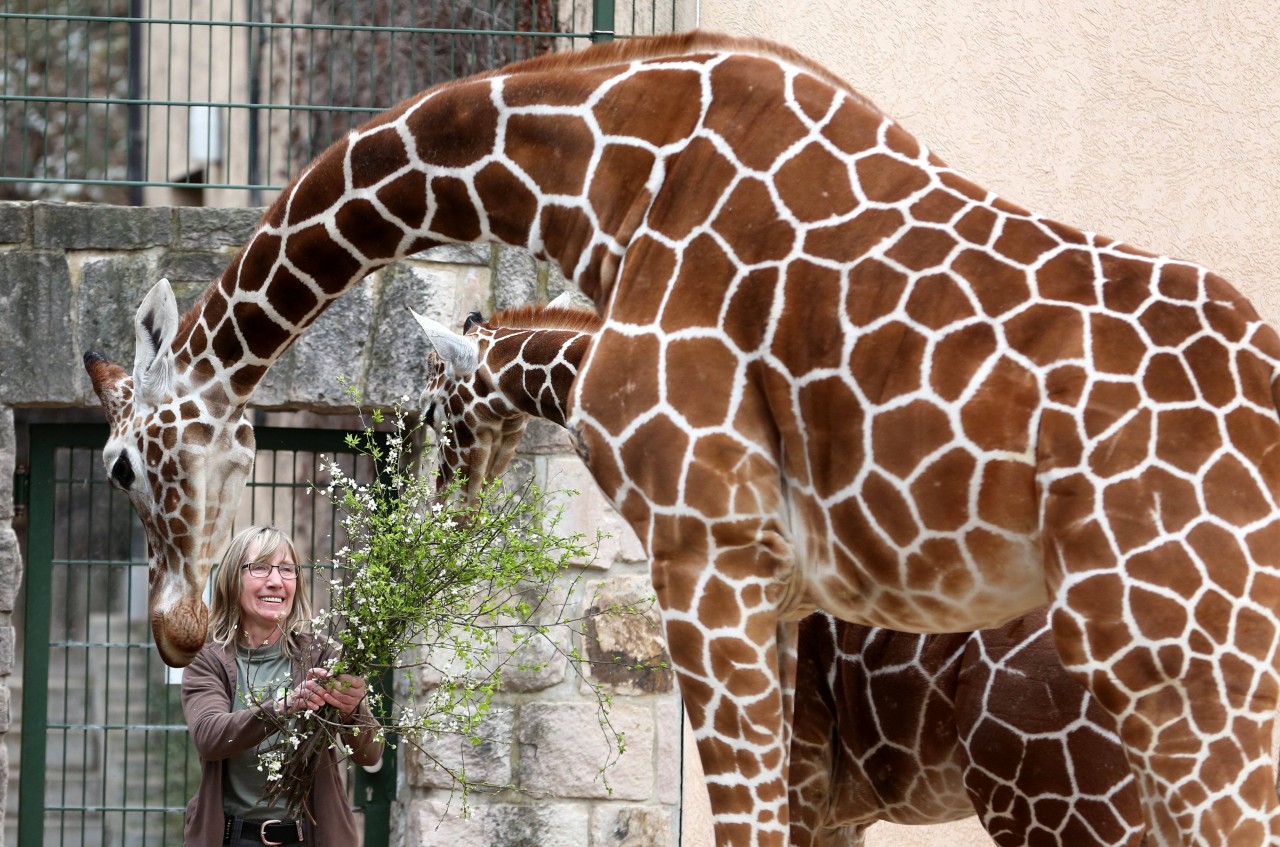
(71, 277)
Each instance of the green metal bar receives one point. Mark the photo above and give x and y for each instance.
(602, 25)
(117, 807)
(87, 579)
(64, 455)
(157, 727)
(35, 657)
(376, 792)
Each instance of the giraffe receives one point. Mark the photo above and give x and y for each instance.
(900, 727)
(833, 374)
(927, 729)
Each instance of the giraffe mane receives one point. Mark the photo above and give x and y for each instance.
(666, 46)
(544, 317)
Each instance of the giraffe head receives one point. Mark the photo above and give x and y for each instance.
(485, 384)
(182, 455)
(477, 429)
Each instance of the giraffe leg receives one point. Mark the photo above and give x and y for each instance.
(1185, 668)
(722, 628)
(788, 657)
(812, 764)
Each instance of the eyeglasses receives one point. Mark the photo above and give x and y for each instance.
(262, 570)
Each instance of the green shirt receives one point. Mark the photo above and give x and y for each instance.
(263, 674)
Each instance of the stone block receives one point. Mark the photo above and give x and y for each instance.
(669, 725)
(434, 763)
(4, 779)
(567, 751)
(542, 437)
(557, 285)
(588, 512)
(445, 292)
(399, 349)
(6, 713)
(8, 448)
(547, 824)
(631, 826)
(624, 642)
(516, 280)
(41, 362)
(207, 228)
(10, 565)
(537, 664)
(15, 222)
(100, 227)
(193, 269)
(111, 289)
(528, 660)
(458, 254)
(6, 650)
(519, 474)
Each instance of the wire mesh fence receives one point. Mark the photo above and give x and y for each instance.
(218, 102)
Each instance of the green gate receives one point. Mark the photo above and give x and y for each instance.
(105, 758)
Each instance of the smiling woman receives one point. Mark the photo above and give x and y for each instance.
(259, 668)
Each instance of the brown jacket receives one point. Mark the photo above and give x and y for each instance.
(208, 686)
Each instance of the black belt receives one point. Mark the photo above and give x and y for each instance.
(271, 833)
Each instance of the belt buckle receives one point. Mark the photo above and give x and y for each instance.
(262, 834)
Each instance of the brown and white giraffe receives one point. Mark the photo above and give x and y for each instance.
(833, 373)
(926, 729)
(888, 726)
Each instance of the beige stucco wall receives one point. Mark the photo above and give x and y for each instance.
(1154, 121)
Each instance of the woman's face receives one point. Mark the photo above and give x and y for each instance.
(265, 601)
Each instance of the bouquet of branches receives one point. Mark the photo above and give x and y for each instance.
(454, 592)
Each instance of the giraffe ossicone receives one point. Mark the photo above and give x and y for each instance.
(832, 373)
(457, 352)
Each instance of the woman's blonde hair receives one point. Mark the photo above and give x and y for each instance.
(224, 611)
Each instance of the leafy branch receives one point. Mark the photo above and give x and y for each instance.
(451, 597)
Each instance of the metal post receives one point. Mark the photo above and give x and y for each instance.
(256, 38)
(602, 21)
(135, 164)
(35, 653)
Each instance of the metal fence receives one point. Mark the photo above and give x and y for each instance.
(218, 102)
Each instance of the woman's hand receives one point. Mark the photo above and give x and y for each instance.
(343, 691)
(305, 697)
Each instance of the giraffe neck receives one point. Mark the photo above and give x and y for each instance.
(474, 162)
(534, 370)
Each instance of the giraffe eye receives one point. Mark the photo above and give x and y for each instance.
(122, 473)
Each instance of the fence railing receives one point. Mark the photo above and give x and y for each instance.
(219, 102)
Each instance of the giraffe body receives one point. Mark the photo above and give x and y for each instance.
(926, 729)
(888, 726)
(832, 373)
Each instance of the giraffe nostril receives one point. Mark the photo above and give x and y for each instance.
(122, 472)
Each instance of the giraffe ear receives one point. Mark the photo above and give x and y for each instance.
(460, 354)
(563, 300)
(155, 326)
